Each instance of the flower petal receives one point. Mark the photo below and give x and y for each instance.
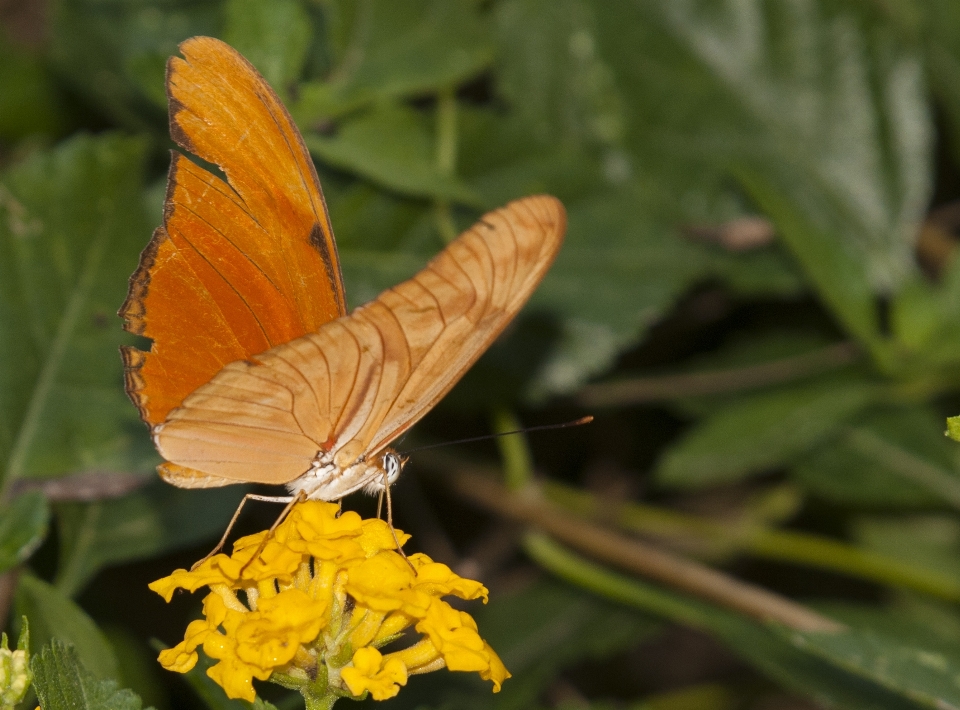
(454, 633)
(438, 580)
(380, 581)
(236, 678)
(271, 636)
(183, 657)
(206, 574)
(377, 536)
(370, 673)
(497, 672)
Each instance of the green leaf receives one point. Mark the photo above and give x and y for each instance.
(929, 678)
(916, 315)
(616, 274)
(113, 54)
(892, 457)
(23, 526)
(920, 622)
(625, 260)
(152, 521)
(30, 102)
(842, 280)
(54, 616)
(382, 238)
(273, 36)
(394, 50)
(929, 27)
(926, 542)
(71, 227)
(942, 52)
(391, 145)
(549, 70)
(759, 100)
(619, 271)
(63, 682)
(761, 431)
(767, 648)
(925, 318)
(864, 178)
(23, 636)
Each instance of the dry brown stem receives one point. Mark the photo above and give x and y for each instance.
(634, 555)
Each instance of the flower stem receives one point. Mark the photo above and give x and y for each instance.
(319, 702)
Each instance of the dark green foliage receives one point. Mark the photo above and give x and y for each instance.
(71, 224)
(54, 616)
(23, 525)
(664, 126)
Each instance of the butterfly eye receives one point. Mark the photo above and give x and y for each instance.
(392, 465)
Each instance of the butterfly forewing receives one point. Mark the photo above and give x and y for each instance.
(241, 265)
(361, 381)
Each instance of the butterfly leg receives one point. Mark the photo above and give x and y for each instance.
(393, 531)
(233, 520)
(290, 501)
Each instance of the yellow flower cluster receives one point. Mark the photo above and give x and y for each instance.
(325, 592)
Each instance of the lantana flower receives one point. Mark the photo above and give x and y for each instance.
(310, 606)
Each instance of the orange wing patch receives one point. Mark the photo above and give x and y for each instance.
(239, 266)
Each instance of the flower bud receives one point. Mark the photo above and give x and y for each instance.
(15, 674)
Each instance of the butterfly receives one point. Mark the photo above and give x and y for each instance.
(256, 373)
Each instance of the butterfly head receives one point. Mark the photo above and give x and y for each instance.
(393, 464)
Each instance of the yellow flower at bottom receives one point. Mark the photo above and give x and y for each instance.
(308, 605)
(366, 674)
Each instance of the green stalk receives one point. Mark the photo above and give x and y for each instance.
(779, 545)
(595, 578)
(320, 702)
(514, 452)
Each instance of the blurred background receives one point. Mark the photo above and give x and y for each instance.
(758, 300)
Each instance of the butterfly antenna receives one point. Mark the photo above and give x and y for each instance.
(233, 521)
(300, 497)
(577, 422)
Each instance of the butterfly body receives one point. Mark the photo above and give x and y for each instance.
(256, 373)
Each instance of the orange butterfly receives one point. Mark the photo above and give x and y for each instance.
(256, 373)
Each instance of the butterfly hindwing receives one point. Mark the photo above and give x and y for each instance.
(370, 375)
